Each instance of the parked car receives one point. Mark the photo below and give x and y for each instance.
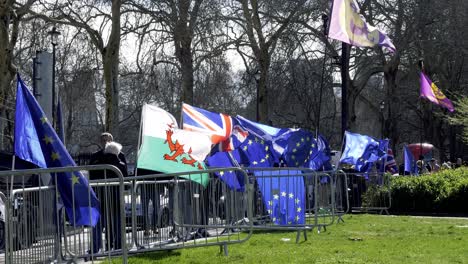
(162, 214)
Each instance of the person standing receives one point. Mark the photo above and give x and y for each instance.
(435, 167)
(108, 195)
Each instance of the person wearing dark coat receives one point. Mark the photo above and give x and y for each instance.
(108, 195)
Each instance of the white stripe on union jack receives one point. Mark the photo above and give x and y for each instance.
(219, 126)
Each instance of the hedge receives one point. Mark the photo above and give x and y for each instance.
(442, 192)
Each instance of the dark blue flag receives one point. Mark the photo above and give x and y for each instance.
(360, 151)
(320, 155)
(256, 152)
(277, 137)
(233, 179)
(299, 146)
(410, 162)
(283, 195)
(37, 142)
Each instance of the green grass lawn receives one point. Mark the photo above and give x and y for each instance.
(361, 239)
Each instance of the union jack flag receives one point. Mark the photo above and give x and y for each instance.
(390, 163)
(217, 125)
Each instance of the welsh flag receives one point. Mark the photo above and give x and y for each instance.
(168, 149)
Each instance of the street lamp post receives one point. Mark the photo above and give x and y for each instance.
(54, 33)
(382, 108)
(257, 97)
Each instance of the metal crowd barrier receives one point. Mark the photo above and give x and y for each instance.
(172, 211)
(36, 228)
(369, 192)
(164, 211)
(297, 199)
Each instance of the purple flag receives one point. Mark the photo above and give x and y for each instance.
(347, 25)
(430, 91)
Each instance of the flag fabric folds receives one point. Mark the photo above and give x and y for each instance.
(347, 25)
(432, 93)
(410, 162)
(277, 136)
(320, 156)
(283, 195)
(168, 149)
(300, 144)
(217, 126)
(390, 164)
(233, 179)
(256, 152)
(360, 151)
(37, 142)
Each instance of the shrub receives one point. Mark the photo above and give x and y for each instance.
(442, 192)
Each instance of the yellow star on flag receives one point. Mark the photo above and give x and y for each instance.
(74, 179)
(298, 144)
(299, 209)
(48, 140)
(245, 147)
(266, 148)
(221, 173)
(254, 163)
(44, 119)
(312, 145)
(302, 139)
(250, 142)
(262, 160)
(55, 156)
(308, 138)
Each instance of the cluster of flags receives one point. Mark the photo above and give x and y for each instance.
(209, 139)
(237, 141)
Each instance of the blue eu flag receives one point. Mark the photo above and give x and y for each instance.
(300, 144)
(360, 151)
(37, 142)
(233, 179)
(320, 155)
(283, 195)
(256, 152)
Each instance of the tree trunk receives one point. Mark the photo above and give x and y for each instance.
(391, 124)
(110, 59)
(7, 69)
(186, 63)
(183, 47)
(262, 99)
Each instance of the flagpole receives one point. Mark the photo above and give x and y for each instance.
(139, 139)
(344, 87)
(421, 130)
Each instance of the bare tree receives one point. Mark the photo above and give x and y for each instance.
(89, 15)
(189, 27)
(11, 15)
(263, 22)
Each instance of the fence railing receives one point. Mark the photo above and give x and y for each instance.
(161, 211)
(369, 192)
